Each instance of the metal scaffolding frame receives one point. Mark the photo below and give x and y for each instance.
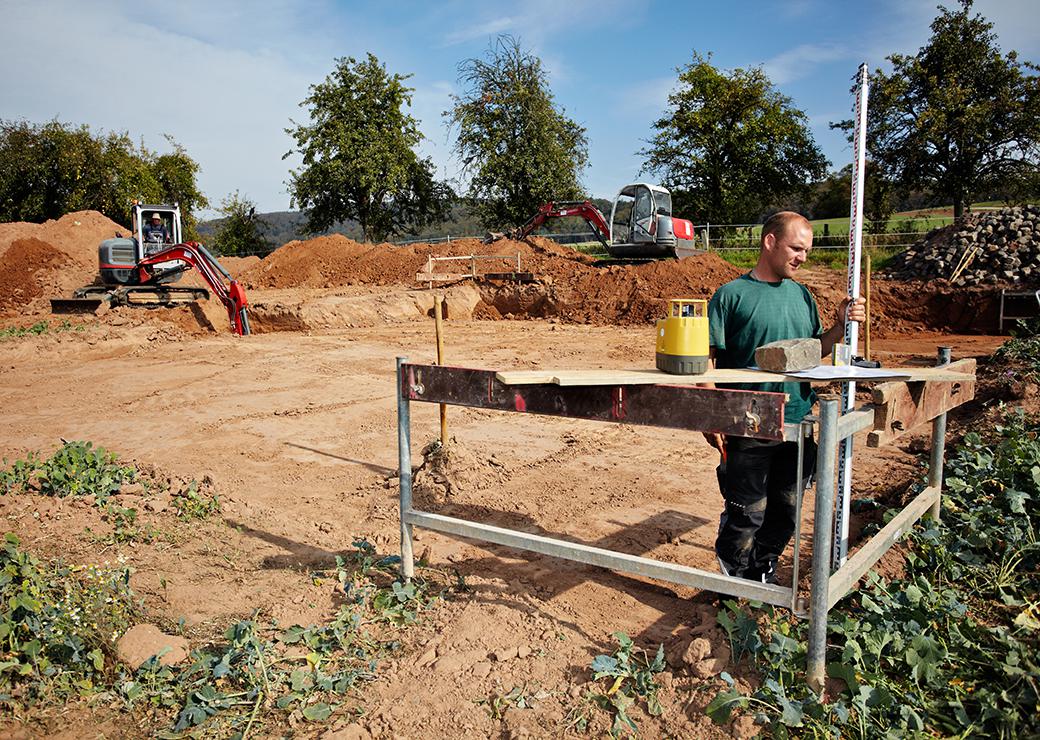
(732, 412)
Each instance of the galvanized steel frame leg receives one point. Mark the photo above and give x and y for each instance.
(938, 452)
(404, 472)
(804, 430)
(822, 530)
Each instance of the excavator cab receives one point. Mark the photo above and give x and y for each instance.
(642, 225)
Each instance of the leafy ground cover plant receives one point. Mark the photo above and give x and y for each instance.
(75, 469)
(59, 626)
(631, 672)
(951, 649)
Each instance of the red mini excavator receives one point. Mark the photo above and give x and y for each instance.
(641, 223)
(139, 270)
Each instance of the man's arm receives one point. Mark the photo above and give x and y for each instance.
(855, 311)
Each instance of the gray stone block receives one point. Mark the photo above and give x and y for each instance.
(788, 355)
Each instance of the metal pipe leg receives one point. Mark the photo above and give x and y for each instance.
(797, 604)
(822, 526)
(938, 452)
(404, 471)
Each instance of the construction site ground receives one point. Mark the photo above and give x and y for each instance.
(295, 429)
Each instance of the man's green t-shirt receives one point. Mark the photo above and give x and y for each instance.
(746, 313)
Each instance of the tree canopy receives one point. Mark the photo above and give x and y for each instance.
(240, 230)
(730, 145)
(517, 147)
(958, 118)
(359, 159)
(51, 169)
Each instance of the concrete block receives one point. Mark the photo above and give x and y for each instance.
(788, 355)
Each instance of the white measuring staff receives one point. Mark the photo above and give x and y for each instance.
(848, 390)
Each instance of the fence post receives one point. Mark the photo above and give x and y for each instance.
(823, 523)
(404, 471)
(938, 452)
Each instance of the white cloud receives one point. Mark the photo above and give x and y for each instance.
(479, 30)
(802, 60)
(144, 69)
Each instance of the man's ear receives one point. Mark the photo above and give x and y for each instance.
(768, 242)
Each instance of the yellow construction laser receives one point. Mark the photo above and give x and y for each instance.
(682, 337)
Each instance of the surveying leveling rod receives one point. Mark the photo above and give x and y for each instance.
(848, 390)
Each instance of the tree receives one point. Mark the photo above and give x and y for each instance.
(730, 144)
(52, 169)
(240, 230)
(518, 149)
(958, 117)
(359, 160)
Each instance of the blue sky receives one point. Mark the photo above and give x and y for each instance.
(225, 78)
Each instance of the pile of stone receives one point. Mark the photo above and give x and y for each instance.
(988, 248)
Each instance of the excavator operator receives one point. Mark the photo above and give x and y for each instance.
(156, 231)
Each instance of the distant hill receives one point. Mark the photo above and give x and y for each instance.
(284, 226)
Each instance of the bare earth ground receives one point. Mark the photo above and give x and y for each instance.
(297, 432)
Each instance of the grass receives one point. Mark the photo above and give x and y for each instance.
(40, 327)
(833, 259)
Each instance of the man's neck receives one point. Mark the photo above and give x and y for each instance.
(763, 273)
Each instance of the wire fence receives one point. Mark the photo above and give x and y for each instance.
(713, 238)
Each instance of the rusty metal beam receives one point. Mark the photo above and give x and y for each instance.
(740, 413)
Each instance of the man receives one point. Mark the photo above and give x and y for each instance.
(156, 231)
(757, 477)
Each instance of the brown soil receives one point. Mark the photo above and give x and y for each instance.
(296, 429)
(52, 258)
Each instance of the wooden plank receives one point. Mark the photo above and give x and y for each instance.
(902, 406)
(654, 376)
(433, 277)
(864, 558)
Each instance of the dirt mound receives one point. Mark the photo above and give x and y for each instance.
(76, 234)
(999, 247)
(335, 261)
(56, 257)
(569, 285)
(237, 265)
(618, 294)
(28, 269)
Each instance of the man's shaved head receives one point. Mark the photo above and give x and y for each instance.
(780, 223)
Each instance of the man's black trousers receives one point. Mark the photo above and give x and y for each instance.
(759, 487)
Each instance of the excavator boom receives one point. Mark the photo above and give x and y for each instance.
(232, 295)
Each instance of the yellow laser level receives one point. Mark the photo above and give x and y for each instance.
(682, 337)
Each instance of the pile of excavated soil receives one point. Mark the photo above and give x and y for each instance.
(335, 261)
(996, 248)
(568, 284)
(237, 265)
(38, 260)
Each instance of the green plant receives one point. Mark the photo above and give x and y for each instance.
(58, 626)
(190, 504)
(632, 672)
(951, 648)
(75, 469)
(125, 527)
(519, 697)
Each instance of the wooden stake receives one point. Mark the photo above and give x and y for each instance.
(440, 361)
(866, 325)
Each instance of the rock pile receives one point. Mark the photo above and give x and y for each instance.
(996, 247)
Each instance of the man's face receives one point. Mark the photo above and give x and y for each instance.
(789, 249)
(156, 221)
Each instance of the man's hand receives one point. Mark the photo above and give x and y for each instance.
(851, 310)
(716, 440)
